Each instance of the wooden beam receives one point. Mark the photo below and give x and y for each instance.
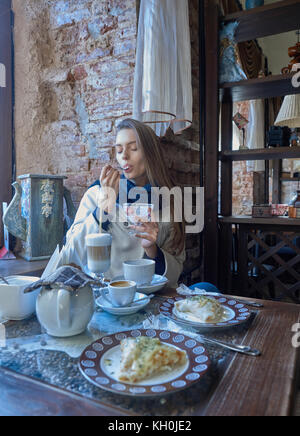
(258, 187)
(225, 251)
(210, 236)
(226, 166)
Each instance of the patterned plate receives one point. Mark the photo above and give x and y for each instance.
(100, 360)
(237, 314)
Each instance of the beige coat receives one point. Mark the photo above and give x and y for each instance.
(124, 246)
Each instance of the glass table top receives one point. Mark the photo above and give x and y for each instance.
(25, 348)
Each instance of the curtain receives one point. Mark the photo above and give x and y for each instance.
(256, 132)
(163, 78)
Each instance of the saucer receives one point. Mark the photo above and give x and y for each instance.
(127, 310)
(156, 285)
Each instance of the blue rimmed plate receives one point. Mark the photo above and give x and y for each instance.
(235, 313)
(100, 361)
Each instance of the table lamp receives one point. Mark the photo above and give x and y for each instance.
(289, 114)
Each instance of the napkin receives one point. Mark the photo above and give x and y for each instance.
(184, 290)
(67, 277)
(52, 264)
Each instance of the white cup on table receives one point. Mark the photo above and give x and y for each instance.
(121, 293)
(140, 271)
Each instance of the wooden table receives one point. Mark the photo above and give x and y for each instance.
(247, 386)
(21, 266)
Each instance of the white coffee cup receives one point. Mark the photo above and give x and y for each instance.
(120, 292)
(140, 271)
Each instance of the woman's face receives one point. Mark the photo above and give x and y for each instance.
(130, 157)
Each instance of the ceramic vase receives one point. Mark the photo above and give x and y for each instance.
(254, 3)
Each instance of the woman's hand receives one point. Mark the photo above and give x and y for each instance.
(149, 237)
(109, 181)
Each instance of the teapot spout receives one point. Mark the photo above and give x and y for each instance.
(12, 219)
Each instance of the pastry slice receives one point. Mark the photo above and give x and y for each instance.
(144, 357)
(200, 309)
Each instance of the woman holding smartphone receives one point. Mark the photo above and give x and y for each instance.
(141, 164)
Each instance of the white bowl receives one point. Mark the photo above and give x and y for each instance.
(14, 304)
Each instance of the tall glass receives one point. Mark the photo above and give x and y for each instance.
(137, 213)
(98, 257)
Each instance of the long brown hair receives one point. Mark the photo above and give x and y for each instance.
(156, 169)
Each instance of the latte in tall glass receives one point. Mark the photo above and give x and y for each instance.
(98, 252)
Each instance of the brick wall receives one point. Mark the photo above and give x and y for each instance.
(74, 71)
(73, 83)
(242, 178)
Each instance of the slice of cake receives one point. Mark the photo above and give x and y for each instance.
(144, 357)
(199, 308)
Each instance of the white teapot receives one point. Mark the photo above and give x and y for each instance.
(65, 313)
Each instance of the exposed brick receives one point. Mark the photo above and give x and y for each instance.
(76, 150)
(83, 69)
(79, 72)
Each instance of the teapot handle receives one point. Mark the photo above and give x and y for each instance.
(63, 309)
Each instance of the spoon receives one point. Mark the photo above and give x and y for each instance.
(4, 280)
(129, 305)
(142, 299)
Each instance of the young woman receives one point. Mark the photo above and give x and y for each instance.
(140, 158)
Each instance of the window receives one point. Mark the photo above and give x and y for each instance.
(6, 105)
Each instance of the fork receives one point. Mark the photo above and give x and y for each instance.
(150, 317)
(243, 349)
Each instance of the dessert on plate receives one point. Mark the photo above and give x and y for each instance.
(144, 357)
(200, 308)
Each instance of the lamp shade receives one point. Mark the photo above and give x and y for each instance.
(289, 114)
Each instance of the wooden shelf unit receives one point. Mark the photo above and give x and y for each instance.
(276, 18)
(264, 87)
(290, 179)
(272, 19)
(261, 154)
(272, 221)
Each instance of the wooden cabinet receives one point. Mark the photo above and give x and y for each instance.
(267, 20)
